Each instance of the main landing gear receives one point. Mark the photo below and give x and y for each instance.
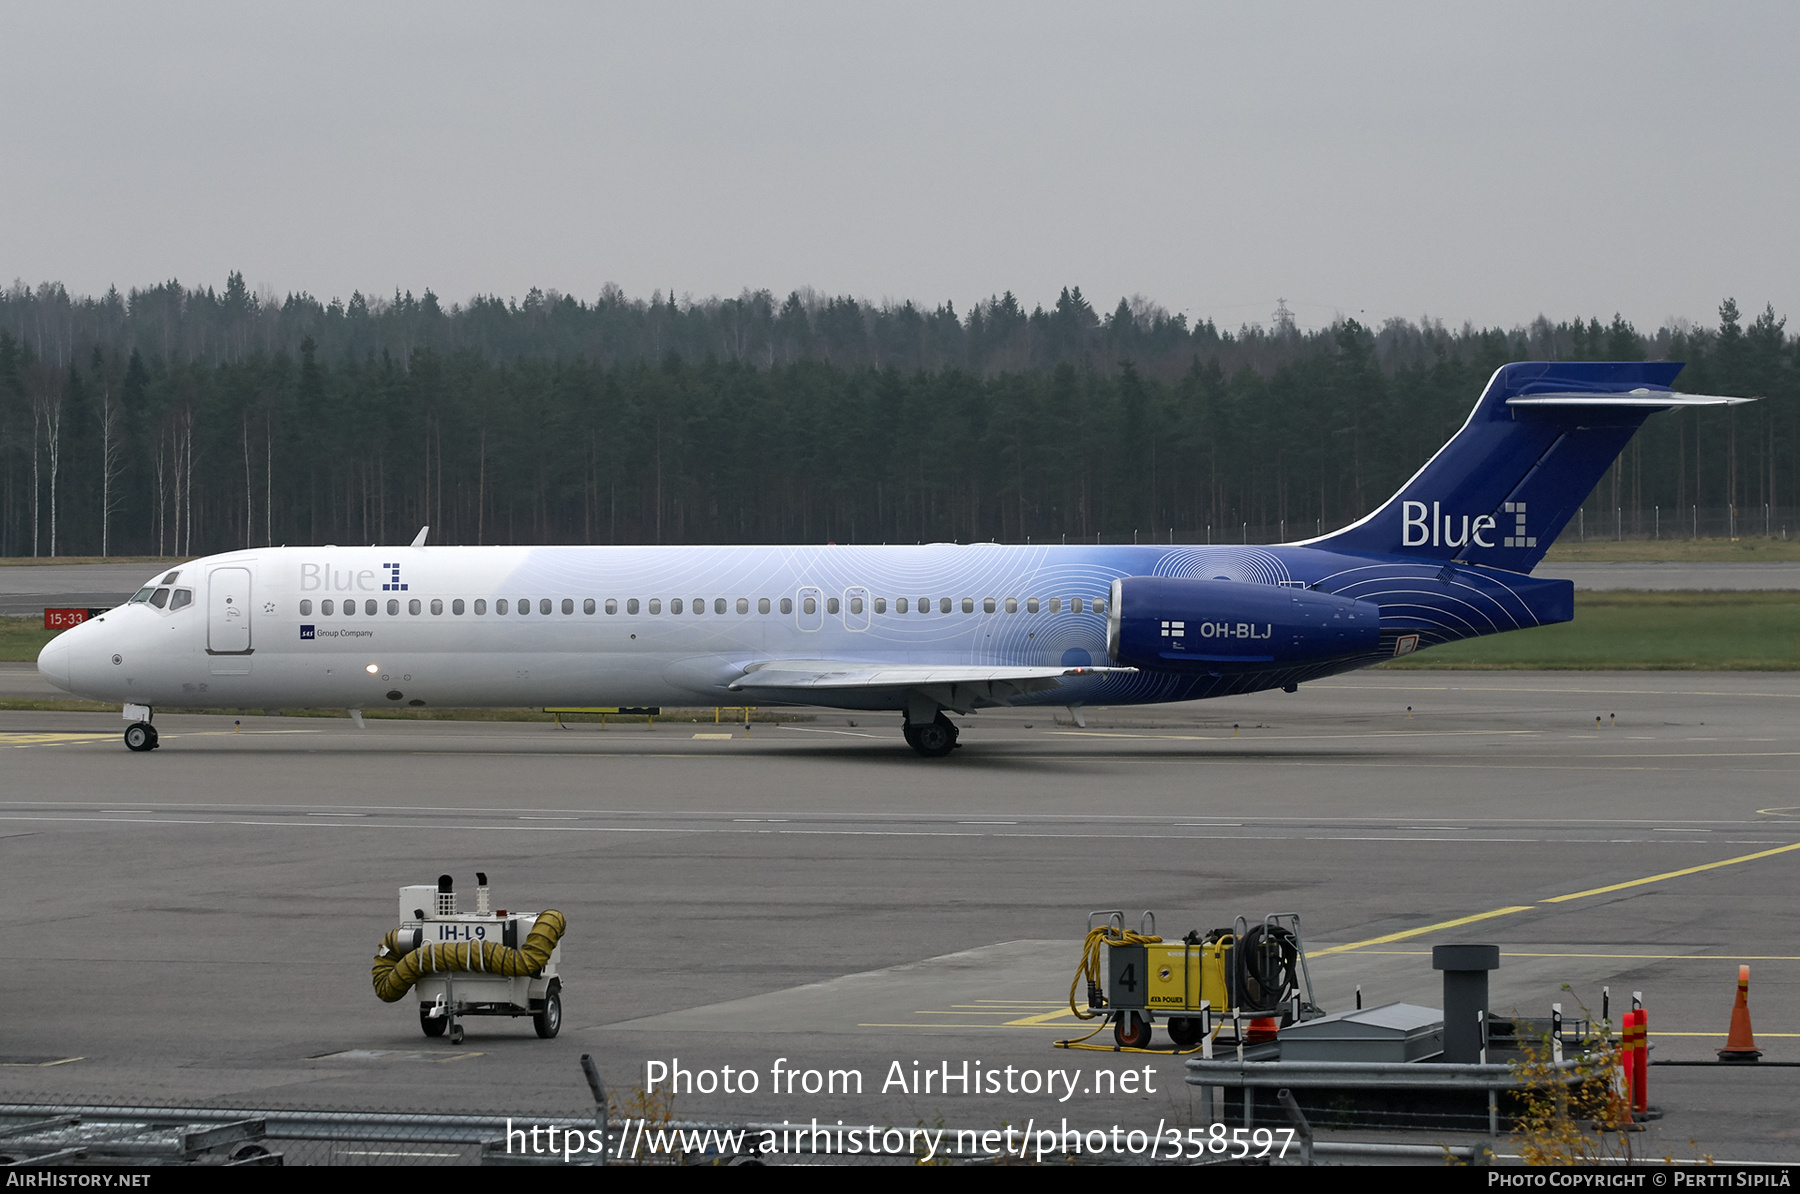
(140, 735)
(934, 739)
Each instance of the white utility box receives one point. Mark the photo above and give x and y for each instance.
(462, 982)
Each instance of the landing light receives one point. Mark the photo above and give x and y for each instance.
(372, 669)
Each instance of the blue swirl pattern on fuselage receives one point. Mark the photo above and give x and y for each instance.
(1438, 603)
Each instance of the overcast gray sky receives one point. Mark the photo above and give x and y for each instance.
(1484, 162)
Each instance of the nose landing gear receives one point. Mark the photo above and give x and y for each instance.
(140, 735)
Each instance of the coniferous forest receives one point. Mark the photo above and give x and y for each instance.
(177, 421)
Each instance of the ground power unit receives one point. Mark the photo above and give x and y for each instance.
(1197, 983)
(480, 963)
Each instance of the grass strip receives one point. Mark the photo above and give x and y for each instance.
(1746, 550)
(1626, 631)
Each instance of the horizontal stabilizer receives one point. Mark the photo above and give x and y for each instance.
(1652, 399)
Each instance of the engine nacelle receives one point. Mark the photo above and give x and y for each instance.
(1178, 624)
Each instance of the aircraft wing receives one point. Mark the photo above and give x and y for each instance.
(818, 674)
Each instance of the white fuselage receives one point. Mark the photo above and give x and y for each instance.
(581, 626)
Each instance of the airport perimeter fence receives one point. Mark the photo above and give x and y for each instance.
(41, 1131)
(1593, 523)
(38, 1131)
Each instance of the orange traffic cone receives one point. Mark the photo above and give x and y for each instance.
(1740, 1043)
(1262, 1029)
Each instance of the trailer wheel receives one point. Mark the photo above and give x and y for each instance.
(1131, 1030)
(433, 1025)
(549, 1021)
(1185, 1031)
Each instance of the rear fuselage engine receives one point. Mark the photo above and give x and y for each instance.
(1178, 624)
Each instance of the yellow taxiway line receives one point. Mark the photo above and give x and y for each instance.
(1574, 895)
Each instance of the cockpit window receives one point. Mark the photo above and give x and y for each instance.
(159, 598)
(182, 597)
(171, 578)
(143, 594)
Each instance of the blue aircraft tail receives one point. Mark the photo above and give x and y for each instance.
(1534, 447)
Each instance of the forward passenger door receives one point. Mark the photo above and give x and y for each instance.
(228, 612)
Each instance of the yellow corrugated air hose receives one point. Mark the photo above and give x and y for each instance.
(396, 970)
(1090, 960)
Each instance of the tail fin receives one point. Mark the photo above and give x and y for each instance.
(1508, 482)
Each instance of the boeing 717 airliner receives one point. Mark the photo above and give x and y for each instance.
(924, 631)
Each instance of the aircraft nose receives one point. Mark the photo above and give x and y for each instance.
(53, 663)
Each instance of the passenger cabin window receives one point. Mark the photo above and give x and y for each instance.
(437, 606)
(719, 605)
(369, 607)
(968, 605)
(326, 607)
(787, 605)
(524, 606)
(762, 605)
(349, 608)
(1056, 605)
(943, 605)
(456, 607)
(1012, 605)
(743, 605)
(1031, 605)
(501, 606)
(393, 606)
(587, 607)
(1074, 605)
(987, 605)
(656, 605)
(809, 606)
(159, 598)
(631, 606)
(831, 605)
(881, 605)
(1099, 605)
(306, 609)
(544, 606)
(699, 605)
(412, 607)
(612, 605)
(674, 606)
(481, 605)
(181, 598)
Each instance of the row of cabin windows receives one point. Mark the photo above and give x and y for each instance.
(808, 605)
